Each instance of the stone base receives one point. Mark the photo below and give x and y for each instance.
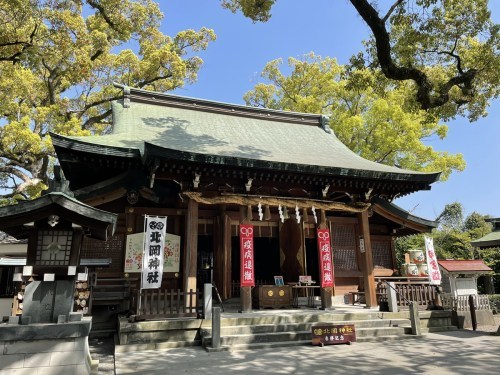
(462, 319)
(59, 348)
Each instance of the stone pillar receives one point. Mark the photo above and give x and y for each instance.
(207, 301)
(414, 319)
(216, 328)
(392, 298)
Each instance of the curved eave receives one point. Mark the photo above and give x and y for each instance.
(61, 142)
(396, 214)
(483, 244)
(153, 152)
(101, 224)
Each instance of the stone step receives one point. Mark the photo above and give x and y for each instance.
(280, 344)
(309, 318)
(284, 336)
(155, 346)
(264, 328)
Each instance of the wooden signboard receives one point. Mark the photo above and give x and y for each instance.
(332, 334)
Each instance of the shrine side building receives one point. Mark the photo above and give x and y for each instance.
(210, 166)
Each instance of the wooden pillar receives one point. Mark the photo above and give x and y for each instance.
(191, 247)
(222, 255)
(227, 258)
(368, 276)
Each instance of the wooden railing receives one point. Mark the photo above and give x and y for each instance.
(165, 303)
(422, 294)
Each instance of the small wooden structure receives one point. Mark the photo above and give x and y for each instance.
(459, 277)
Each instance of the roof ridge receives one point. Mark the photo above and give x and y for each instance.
(131, 94)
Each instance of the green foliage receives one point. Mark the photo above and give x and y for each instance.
(452, 240)
(451, 218)
(58, 62)
(256, 10)
(367, 112)
(494, 303)
(448, 49)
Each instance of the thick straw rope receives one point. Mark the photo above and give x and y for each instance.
(271, 201)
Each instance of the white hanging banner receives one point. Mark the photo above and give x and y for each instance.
(432, 263)
(152, 259)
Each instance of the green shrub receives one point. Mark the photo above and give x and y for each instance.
(494, 303)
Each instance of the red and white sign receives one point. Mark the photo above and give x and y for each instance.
(247, 266)
(325, 258)
(432, 263)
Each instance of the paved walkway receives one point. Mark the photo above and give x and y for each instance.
(458, 352)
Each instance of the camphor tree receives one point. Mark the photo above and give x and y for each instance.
(427, 62)
(447, 49)
(58, 60)
(372, 117)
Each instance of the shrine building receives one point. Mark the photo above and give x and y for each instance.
(210, 167)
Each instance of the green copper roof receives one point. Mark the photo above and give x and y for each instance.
(490, 240)
(229, 131)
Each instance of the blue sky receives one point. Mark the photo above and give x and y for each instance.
(232, 65)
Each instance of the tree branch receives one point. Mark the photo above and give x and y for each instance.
(96, 119)
(394, 6)
(100, 8)
(25, 45)
(426, 89)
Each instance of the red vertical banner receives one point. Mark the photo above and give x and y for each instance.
(247, 274)
(325, 258)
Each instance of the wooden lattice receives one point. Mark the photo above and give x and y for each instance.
(113, 248)
(344, 247)
(382, 257)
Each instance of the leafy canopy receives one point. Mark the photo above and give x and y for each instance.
(447, 48)
(58, 60)
(368, 113)
(452, 239)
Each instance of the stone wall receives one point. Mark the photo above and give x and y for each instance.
(46, 349)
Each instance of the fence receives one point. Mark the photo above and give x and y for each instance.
(165, 303)
(461, 303)
(422, 294)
